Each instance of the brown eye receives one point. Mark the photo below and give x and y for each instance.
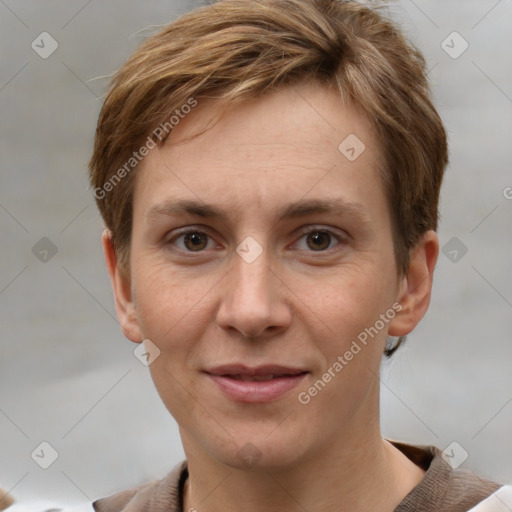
(195, 241)
(318, 240)
(315, 239)
(191, 240)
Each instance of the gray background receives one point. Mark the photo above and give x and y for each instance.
(68, 376)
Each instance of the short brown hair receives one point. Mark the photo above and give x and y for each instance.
(234, 50)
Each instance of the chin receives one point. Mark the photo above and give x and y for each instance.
(262, 452)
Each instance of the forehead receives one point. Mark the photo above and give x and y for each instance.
(295, 140)
(308, 115)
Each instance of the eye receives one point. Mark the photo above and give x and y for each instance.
(312, 239)
(318, 240)
(192, 240)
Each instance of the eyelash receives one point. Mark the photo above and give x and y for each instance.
(340, 238)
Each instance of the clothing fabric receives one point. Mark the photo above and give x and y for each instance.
(442, 489)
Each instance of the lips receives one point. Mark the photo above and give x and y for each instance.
(247, 373)
(255, 384)
(254, 378)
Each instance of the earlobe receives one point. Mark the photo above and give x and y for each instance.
(416, 286)
(125, 305)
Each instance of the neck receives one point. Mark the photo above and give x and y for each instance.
(356, 473)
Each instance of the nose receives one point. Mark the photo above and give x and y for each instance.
(254, 299)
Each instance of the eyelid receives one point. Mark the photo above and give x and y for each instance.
(186, 230)
(306, 230)
(324, 229)
(342, 237)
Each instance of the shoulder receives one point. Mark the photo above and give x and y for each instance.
(159, 495)
(444, 486)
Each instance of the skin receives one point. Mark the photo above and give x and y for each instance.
(297, 304)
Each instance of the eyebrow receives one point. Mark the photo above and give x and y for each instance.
(298, 209)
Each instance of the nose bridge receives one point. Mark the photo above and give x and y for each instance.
(251, 280)
(251, 300)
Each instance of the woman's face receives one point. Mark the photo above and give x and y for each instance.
(261, 251)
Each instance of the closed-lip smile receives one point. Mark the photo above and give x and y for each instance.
(255, 384)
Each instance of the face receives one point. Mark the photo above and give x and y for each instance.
(260, 256)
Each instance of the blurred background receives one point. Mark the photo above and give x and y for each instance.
(68, 377)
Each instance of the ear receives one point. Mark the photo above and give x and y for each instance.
(125, 305)
(416, 285)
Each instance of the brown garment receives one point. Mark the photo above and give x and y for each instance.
(442, 488)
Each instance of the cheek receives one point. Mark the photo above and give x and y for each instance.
(350, 308)
(351, 300)
(171, 310)
(166, 301)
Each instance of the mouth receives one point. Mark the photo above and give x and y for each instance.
(258, 384)
(256, 378)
